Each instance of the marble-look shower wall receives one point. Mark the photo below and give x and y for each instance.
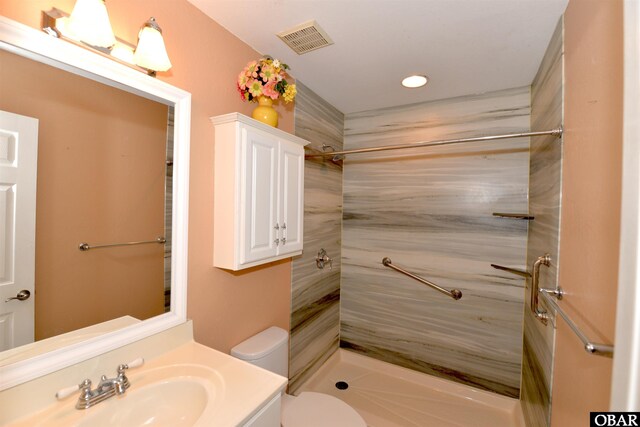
(430, 211)
(545, 181)
(315, 297)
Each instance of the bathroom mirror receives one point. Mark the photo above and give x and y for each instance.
(151, 117)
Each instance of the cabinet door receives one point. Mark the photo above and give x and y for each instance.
(259, 192)
(268, 416)
(291, 197)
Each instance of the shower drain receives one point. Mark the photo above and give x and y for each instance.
(342, 385)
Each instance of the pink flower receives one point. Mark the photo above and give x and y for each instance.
(270, 90)
(267, 73)
(242, 80)
(252, 69)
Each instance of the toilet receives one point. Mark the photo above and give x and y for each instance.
(269, 350)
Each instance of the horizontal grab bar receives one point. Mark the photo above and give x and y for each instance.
(85, 246)
(555, 132)
(454, 293)
(589, 346)
(519, 272)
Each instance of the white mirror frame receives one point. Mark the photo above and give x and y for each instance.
(31, 43)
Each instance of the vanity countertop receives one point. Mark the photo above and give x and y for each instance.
(237, 389)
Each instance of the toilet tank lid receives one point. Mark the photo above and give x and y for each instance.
(261, 344)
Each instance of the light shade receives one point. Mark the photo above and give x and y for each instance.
(89, 22)
(414, 81)
(123, 52)
(151, 52)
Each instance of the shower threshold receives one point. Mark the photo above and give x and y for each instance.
(386, 395)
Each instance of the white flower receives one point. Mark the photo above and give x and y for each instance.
(276, 63)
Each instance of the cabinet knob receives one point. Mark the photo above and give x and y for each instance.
(284, 236)
(277, 227)
(277, 242)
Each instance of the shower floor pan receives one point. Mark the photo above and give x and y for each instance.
(391, 396)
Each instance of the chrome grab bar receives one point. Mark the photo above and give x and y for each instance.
(589, 346)
(535, 278)
(555, 132)
(454, 293)
(519, 272)
(85, 246)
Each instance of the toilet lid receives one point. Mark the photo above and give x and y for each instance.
(311, 409)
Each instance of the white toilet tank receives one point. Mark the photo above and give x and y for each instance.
(268, 349)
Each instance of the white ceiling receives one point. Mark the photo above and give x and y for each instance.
(463, 46)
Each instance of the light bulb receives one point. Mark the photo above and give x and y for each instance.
(414, 81)
(89, 22)
(151, 52)
(122, 52)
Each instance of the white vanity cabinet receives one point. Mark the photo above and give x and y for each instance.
(258, 193)
(268, 415)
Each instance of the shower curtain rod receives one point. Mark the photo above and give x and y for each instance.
(555, 132)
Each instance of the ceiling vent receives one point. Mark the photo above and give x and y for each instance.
(305, 37)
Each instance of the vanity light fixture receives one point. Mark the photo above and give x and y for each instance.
(89, 27)
(151, 52)
(123, 51)
(89, 23)
(415, 81)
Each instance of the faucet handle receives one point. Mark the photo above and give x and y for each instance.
(68, 391)
(136, 363)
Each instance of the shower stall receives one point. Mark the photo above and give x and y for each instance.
(443, 213)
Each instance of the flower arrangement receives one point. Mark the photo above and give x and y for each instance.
(265, 77)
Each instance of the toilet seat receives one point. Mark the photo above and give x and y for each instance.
(311, 409)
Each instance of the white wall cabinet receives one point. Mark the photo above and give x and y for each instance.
(258, 193)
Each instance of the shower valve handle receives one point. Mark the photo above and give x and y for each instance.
(322, 259)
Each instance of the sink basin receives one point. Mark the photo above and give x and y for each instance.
(174, 395)
(176, 403)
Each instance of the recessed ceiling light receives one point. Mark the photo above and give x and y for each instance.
(414, 81)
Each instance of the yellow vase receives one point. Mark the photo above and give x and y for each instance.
(265, 112)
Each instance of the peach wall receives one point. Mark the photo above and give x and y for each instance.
(226, 307)
(589, 239)
(101, 179)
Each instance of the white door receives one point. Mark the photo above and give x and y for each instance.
(18, 164)
(292, 197)
(259, 231)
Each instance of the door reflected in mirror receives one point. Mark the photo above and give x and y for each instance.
(80, 162)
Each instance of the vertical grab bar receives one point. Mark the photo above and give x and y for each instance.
(590, 346)
(535, 278)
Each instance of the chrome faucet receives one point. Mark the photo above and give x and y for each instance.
(107, 387)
